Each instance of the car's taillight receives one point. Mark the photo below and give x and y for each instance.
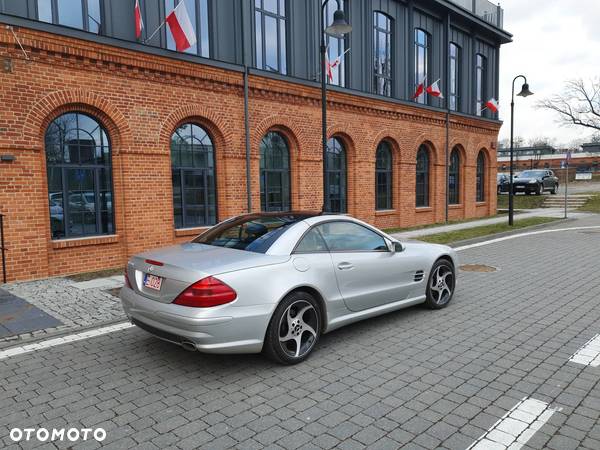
(127, 282)
(206, 293)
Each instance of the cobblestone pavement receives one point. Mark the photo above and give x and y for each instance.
(76, 305)
(413, 379)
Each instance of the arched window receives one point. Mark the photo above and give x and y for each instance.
(383, 177)
(454, 178)
(422, 188)
(274, 173)
(78, 160)
(194, 187)
(335, 168)
(481, 177)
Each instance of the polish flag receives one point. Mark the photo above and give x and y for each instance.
(332, 65)
(181, 27)
(420, 90)
(492, 105)
(434, 90)
(139, 24)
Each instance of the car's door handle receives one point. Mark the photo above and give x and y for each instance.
(345, 266)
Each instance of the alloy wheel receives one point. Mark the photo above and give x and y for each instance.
(297, 329)
(442, 284)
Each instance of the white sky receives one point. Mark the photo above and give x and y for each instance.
(554, 40)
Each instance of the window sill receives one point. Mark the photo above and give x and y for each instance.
(458, 206)
(85, 241)
(183, 232)
(385, 212)
(478, 204)
(424, 209)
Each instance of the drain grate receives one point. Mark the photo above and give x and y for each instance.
(477, 268)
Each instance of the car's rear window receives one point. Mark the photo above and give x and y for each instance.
(256, 233)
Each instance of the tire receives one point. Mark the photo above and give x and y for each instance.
(287, 345)
(554, 190)
(539, 190)
(438, 294)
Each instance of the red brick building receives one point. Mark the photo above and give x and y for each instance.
(138, 98)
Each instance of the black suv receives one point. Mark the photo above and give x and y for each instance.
(535, 182)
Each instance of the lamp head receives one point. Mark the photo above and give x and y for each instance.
(339, 27)
(525, 92)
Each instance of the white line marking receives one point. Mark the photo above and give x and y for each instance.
(589, 354)
(516, 427)
(515, 236)
(14, 351)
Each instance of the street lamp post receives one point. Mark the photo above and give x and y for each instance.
(525, 92)
(338, 28)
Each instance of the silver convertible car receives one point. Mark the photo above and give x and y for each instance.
(275, 282)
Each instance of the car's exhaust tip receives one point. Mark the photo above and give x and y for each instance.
(189, 346)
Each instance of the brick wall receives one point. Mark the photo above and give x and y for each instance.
(140, 99)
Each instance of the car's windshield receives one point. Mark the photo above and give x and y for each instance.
(532, 174)
(254, 233)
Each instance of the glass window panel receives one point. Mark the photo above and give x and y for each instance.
(259, 41)
(271, 56)
(351, 237)
(70, 13)
(271, 6)
(282, 47)
(312, 242)
(94, 16)
(204, 35)
(422, 178)
(45, 10)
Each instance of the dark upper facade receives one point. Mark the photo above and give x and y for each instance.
(394, 44)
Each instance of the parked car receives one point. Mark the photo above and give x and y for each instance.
(275, 282)
(535, 182)
(503, 183)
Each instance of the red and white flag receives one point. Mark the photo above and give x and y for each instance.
(434, 90)
(139, 23)
(333, 65)
(492, 105)
(420, 89)
(181, 27)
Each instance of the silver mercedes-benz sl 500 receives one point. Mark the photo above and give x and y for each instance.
(274, 282)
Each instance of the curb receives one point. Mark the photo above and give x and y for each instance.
(490, 237)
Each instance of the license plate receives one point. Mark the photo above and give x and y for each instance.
(152, 282)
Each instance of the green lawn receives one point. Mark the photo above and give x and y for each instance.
(592, 205)
(486, 230)
(522, 201)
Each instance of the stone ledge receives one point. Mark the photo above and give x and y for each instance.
(82, 242)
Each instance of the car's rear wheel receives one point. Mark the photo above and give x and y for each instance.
(294, 329)
(440, 286)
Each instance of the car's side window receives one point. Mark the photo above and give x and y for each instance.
(351, 237)
(312, 242)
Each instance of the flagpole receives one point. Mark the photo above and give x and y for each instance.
(156, 31)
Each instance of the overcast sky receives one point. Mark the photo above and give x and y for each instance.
(554, 40)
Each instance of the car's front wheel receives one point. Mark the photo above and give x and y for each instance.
(294, 329)
(554, 190)
(540, 190)
(440, 286)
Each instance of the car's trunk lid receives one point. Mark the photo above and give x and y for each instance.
(179, 266)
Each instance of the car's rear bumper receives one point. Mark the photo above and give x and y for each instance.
(224, 329)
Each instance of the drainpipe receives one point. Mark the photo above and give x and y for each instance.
(247, 130)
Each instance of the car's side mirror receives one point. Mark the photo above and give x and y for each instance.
(395, 247)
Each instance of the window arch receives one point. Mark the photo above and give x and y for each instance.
(454, 178)
(383, 177)
(481, 177)
(78, 162)
(335, 171)
(194, 186)
(274, 173)
(423, 169)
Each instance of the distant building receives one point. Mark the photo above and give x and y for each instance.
(585, 160)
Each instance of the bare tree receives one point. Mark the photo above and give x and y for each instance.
(579, 104)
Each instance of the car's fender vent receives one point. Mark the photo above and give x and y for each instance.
(419, 275)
